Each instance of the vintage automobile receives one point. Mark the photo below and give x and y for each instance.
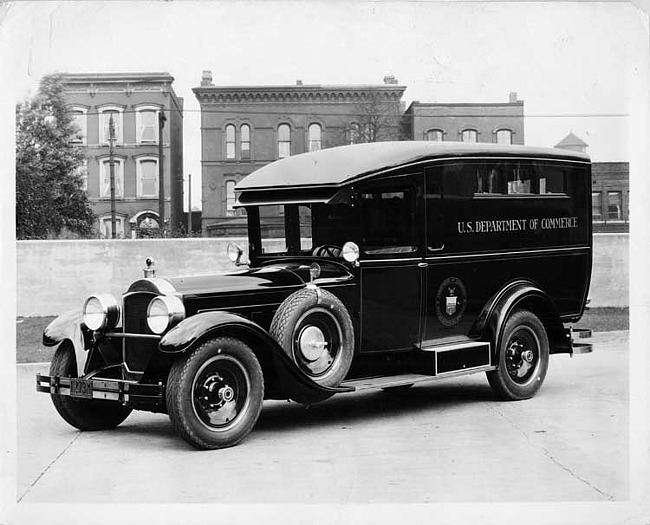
(370, 266)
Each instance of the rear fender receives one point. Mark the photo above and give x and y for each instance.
(67, 327)
(281, 374)
(521, 294)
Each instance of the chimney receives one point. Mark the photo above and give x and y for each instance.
(513, 97)
(206, 78)
(390, 79)
(298, 82)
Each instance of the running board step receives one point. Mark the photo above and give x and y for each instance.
(435, 362)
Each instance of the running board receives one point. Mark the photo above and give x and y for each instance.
(436, 362)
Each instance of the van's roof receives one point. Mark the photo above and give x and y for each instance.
(335, 167)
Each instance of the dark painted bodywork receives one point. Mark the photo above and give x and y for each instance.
(394, 299)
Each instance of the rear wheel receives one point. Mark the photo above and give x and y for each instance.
(523, 357)
(84, 414)
(214, 394)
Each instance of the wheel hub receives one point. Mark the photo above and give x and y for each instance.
(520, 360)
(216, 392)
(312, 343)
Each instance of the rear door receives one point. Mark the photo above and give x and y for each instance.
(391, 262)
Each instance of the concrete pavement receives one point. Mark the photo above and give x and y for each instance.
(448, 441)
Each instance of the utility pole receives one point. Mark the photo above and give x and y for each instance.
(111, 163)
(161, 179)
(189, 206)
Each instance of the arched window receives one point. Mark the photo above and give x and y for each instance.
(104, 123)
(230, 197)
(503, 136)
(146, 123)
(147, 173)
(230, 141)
(353, 133)
(105, 178)
(314, 137)
(78, 115)
(245, 142)
(434, 135)
(284, 141)
(469, 135)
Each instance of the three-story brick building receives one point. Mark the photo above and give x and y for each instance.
(134, 100)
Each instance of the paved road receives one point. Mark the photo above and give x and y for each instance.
(443, 442)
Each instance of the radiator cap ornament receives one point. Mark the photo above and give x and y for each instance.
(150, 268)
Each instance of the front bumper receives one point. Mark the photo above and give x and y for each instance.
(126, 392)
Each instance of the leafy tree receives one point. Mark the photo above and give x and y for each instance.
(49, 195)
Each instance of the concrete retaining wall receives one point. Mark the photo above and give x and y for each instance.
(55, 276)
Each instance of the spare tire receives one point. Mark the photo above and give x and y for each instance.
(314, 328)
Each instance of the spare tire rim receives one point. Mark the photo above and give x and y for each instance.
(220, 393)
(522, 355)
(317, 342)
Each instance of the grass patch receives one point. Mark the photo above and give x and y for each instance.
(29, 340)
(30, 349)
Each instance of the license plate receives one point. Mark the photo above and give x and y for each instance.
(81, 388)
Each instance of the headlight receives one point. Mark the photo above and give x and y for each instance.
(101, 312)
(163, 312)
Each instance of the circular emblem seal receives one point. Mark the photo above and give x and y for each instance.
(451, 300)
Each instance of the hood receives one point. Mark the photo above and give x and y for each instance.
(273, 278)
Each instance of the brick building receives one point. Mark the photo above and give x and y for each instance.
(134, 100)
(246, 127)
(481, 122)
(610, 193)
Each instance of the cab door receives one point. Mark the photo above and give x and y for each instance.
(391, 262)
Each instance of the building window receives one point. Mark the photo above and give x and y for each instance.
(614, 206)
(469, 135)
(104, 121)
(504, 136)
(146, 121)
(353, 133)
(106, 229)
(245, 142)
(230, 141)
(105, 179)
(79, 118)
(434, 135)
(147, 173)
(230, 198)
(596, 206)
(314, 137)
(284, 141)
(82, 173)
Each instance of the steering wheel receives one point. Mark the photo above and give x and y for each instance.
(327, 250)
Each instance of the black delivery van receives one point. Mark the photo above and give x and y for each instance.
(368, 266)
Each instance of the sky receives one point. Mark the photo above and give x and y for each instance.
(573, 64)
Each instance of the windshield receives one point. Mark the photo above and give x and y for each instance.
(302, 229)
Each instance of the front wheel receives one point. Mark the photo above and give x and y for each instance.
(214, 394)
(523, 358)
(84, 414)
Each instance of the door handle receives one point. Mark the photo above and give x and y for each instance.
(423, 264)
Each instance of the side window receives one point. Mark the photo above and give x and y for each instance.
(389, 220)
(552, 179)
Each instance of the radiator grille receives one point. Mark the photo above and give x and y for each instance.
(137, 352)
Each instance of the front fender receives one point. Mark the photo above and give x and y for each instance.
(68, 327)
(291, 380)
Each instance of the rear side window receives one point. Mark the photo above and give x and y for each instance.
(516, 178)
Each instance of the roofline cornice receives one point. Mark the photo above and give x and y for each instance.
(254, 94)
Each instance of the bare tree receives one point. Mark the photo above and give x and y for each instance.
(375, 118)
